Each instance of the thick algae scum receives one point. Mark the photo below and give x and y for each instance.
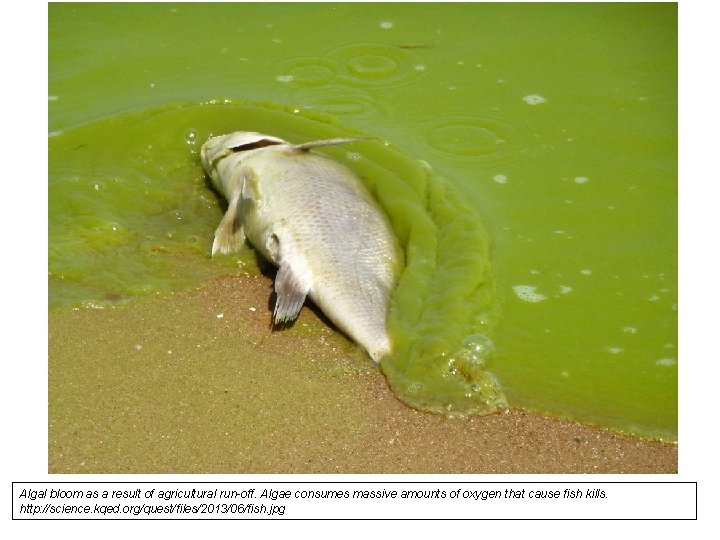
(157, 208)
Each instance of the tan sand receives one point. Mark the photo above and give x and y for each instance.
(197, 382)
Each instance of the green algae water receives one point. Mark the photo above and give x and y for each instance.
(540, 139)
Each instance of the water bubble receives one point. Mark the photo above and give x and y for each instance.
(284, 78)
(190, 137)
(614, 350)
(581, 179)
(564, 289)
(630, 330)
(386, 25)
(478, 348)
(528, 293)
(585, 272)
(420, 67)
(534, 99)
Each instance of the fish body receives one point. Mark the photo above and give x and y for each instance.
(313, 219)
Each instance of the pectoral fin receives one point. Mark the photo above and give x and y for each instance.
(291, 288)
(230, 235)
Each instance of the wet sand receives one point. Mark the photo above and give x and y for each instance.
(197, 382)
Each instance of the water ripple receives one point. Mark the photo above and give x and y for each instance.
(376, 64)
(473, 138)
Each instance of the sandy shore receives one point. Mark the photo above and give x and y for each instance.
(197, 382)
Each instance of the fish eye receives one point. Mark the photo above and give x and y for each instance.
(261, 143)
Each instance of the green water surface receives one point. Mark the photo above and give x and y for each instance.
(549, 128)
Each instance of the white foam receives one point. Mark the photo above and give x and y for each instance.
(528, 293)
(666, 362)
(534, 99)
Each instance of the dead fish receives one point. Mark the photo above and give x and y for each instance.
(313, 219)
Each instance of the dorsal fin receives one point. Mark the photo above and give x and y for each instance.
(304, 147)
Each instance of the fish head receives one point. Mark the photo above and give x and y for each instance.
(228, 151)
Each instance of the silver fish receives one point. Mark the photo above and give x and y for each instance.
(313, 219)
